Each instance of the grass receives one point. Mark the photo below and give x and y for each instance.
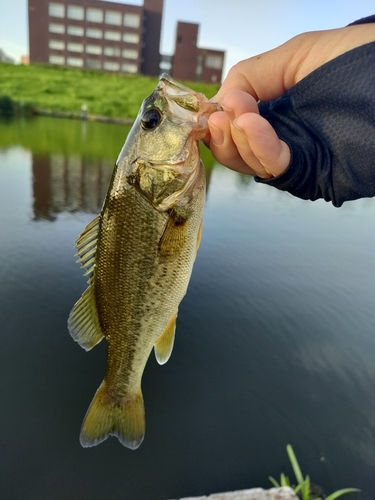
(303, 488)
(66, 89)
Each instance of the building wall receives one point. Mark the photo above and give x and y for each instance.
(212, 62)
(193, 63)
(65, 32)
(38, 31)
(153, 14)
(185, 52)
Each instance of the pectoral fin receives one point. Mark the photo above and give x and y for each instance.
(173, 237)
(164, 344)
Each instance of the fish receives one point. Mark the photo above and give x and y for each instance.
(138, 254)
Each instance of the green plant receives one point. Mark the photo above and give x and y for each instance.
(66, 89)
(303, 488)
(6, 105)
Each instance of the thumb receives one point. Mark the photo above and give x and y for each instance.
(271, 152)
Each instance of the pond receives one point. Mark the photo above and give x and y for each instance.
(275, 339)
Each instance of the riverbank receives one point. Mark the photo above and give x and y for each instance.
(284, 493)
(66, 90)
(84, 116)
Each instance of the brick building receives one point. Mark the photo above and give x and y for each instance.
(193, 63)
(96, 35)
(116, 37)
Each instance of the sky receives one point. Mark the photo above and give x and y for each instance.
(243, 28)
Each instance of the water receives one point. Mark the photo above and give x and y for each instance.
(275, 339)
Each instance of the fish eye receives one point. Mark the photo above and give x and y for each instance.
(150, 119)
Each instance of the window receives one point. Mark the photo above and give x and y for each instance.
(112, 35)
(75, 30)
(75, 61)
(56, 59)
(75, 47)
(56, 28)
(94, 33)
(75, 12)
(94, 15)
(130, 54)
(130, 38)
(213, 62)
(165, 66)
(56, 45)
(112, 51)
(132, 20)
(199, 67)
(129, 68)
(111, 66)
(93, 64)
(93, 49)
(56, 10)
(112, 17)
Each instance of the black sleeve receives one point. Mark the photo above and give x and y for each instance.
(364, 20)
(328, 121)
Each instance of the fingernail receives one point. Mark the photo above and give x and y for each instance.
(217, 135)
(229, 112)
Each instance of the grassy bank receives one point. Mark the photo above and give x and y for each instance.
(65, 89)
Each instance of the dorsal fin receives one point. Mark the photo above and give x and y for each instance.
(83, 322)
(86, 247)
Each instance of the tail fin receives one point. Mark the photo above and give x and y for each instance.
(124, 419)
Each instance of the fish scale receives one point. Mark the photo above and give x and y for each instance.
(139, 254)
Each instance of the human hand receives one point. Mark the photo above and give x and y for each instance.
(239, 137)
(244, 141)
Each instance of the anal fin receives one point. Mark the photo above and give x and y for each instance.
(164, 345)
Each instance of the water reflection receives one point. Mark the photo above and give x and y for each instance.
(68, 184)
(71, 184)
(73, 167)
(275, 339)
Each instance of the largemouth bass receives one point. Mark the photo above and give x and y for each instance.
(138, 254)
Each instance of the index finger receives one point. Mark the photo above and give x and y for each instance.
(260, 76)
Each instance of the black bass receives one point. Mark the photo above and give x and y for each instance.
(139, 253)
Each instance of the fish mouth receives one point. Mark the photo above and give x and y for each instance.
(171, 162)
(177, 92)
(167, 80)
(177, 161)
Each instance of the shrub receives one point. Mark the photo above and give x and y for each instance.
(6, 105)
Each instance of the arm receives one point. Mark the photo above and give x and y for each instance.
(265, 146)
